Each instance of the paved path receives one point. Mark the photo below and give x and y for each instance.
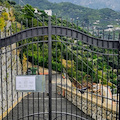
(32, 102)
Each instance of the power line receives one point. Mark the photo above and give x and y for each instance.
(30, 10)
(83, 61)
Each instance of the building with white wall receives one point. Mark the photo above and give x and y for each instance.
(36, 11)
(48, 12)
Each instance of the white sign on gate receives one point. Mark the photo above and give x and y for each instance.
(25, 83)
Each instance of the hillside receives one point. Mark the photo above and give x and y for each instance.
(95, 4)
(82, 57)
(6, 17)
(68, 10)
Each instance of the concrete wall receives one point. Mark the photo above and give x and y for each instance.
(86, 104)
(7, 80)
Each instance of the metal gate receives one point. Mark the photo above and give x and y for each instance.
(81, 73)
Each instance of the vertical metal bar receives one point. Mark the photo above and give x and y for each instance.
(107, 79)
(32, 67)
(66, 75)
(102, 89)
(22, 73)
(92, 82)
(38, 67)
(6, 77)
(102, 84)
(71, 82)
(92, 76)
(27, 71)
(77, 72)
(72, 68)
(56, 66)
(17, 74)
(97, 86)
(71, 74)
(43, 74)
(87, 80)
(38, 70)
(112, 76)
(102, 79)
(50, 67)
(1, 78)
(118, 81)
(11, 73)
(118, 78)
(103, 34)
(82, 75)
(61, 70)
(97, 91)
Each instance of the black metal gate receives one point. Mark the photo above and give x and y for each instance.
(81, 72)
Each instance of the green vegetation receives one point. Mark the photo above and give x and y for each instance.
(96, 4)
(3, 17)
(38, 53)
(77, 61)
(84, 14)
(2, 23)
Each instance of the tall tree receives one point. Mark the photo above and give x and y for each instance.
(28, 11)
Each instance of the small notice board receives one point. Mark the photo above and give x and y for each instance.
(30, 83)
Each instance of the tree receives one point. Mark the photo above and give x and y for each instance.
(5, 15)
(12, 2)
(7, 5)
(2, 23)
(1, 1)
(28, 11)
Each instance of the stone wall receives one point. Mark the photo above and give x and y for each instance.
(9, 65)
(90, 105)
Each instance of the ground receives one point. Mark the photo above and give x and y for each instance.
(39, 102)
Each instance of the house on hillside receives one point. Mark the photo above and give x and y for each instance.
(36, 11)
(48, 12)
(96, 22)
(117, 28)
(109, 26)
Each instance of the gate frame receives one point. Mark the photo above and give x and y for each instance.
(50, 67)
(51, 30)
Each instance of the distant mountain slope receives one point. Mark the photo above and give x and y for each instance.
(69, 10)
(95, 4)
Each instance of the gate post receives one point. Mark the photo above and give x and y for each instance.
(50, 67)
